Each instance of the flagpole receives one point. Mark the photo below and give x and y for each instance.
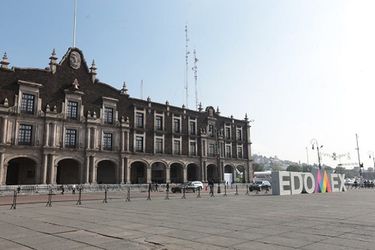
(75, 23)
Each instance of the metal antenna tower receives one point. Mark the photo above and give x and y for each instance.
(187, 67)
(75, 23)
(195, 69)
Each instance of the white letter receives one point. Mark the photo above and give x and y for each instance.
(342, 183)
(293, 182)
(334, 183)
(306, 187)
(284, 178)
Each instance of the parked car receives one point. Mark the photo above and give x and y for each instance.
(260, 185)
(189, 186)
(196, 184)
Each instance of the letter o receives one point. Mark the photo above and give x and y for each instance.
(308, 186)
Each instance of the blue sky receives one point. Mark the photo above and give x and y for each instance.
(300, 69)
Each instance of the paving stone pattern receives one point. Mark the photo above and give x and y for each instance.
(318, 221)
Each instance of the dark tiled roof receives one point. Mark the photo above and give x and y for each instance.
(54, 86)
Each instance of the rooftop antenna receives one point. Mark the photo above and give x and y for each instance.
(75, 23)
(141, 89)
(187, 67)
(195, 69)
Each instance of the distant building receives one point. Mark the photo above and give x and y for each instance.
(61, 125)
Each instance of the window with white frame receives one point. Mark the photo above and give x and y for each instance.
(139, 142)
(211, 130)
(227, 132)
(159, 122)
(108, 115)
(177, 125)
(193, 148)
(239, 134)
(192, 127)
(107, 141)
(239, 151)
(70, 138)
(27, 103)
(139, 120)
(25, 134)
(228, 150)
(72, 110)
(159, 145)
(177, 146)
(211, 149)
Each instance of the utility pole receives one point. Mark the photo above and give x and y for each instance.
(359, 159)
(307, 155)
(314, 143)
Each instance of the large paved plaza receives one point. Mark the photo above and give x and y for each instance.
(319, 221)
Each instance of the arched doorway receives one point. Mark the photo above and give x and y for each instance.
(229, 174)
(177, 173)
(106, 172)
(138, 173)
(68, 172)
(212, 173)
(240, 174)
(158, 173)
(21, 171)
(193, 172)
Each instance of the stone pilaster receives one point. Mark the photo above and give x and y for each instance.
(87, 170)
(149, 174)
(1, 168)
(168, 174)
(52, 169)
(122, 170)
(46, 134)
(43, 178)
(5, 128)
(128, 171)
(184, 169)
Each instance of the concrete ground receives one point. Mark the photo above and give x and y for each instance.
(318, 221)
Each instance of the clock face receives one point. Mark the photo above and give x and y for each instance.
(75, 60)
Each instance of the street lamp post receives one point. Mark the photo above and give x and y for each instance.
(314, 143)
(372, 155)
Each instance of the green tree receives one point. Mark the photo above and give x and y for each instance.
(276, 168)
(306, 168)
(258, 167)
(294, 168)
(340, 170)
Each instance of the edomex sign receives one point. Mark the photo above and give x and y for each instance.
(287, 183)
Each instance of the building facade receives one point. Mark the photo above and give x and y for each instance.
(61, 125)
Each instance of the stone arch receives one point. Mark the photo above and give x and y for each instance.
(68, 171)
(158, 172)
(193, 172)
(138, 172)
(106, 172)
(177, 172)
(229, 170)
(77, 158)
(21, 171)
(240, 174)
(213, 173)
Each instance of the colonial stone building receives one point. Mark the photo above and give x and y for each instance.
(61, 125)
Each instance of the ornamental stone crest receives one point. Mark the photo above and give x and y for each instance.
(75, 60)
